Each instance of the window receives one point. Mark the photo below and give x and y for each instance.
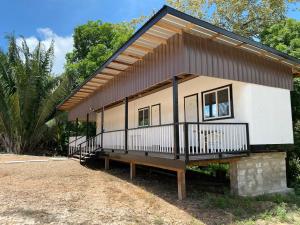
(143, 117)
(217, 103)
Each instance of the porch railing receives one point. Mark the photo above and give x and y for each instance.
(90, 145)
(152, 139)
(74, 143)
(194, 139)
(213, 138)
(114, 140)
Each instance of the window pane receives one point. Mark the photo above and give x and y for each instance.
(146, 117)
(210, 108)
(223, 102)
(141, 117)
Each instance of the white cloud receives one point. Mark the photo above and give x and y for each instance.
(62, 45)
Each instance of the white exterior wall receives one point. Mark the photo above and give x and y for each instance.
(266, 109)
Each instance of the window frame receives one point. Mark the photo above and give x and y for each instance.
(230, 98)
(149, 116)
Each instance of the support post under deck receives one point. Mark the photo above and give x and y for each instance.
(106, 165)
(181, 184)
(132, 170)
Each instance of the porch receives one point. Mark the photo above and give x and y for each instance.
(196, 141)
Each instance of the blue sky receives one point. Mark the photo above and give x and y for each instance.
(56, 19)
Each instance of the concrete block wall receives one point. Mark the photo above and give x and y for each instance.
(260, 173)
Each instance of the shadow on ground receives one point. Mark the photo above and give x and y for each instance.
(208, 198)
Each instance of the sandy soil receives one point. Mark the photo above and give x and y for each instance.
(63, 192)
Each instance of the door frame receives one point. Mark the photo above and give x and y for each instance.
(159, 108)
(197, 99)
(198, 126)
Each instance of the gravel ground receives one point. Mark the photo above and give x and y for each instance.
(64, 192)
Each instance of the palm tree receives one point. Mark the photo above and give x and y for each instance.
(28, 96)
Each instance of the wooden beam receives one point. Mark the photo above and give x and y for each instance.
(123, 63)
(214, 36)
(140, 48)
(81, 95)
(153, 38)
(110, 71)
(84, 91)
(90, 87)
(93, 84)
(167, 27)
(122, 66)
(76, 97)
(131, 52)
(113, 68)
(239, 45)
(106, 75)
(98, 80)
(130, 57)
(86, 87)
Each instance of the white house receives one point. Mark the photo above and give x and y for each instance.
(184, 92)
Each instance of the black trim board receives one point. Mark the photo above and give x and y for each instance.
(169, 10)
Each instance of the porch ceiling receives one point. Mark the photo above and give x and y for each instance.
(162, 26)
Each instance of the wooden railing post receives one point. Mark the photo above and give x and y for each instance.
(175, 118)
(186, 142)
(87, 126)
(126, 125)
(80, 152)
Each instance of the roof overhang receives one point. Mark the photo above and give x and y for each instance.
(162, 26)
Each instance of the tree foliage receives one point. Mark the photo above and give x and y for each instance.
(284, 36)
(94, 43)
(244, 17)
(28, 96)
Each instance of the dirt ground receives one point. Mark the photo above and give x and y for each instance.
(64, 192)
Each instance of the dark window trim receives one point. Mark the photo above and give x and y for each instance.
(231, 103)
(147, 107)
(197, 97)
(159, 106)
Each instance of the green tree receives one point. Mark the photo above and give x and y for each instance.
(244, 17)
(283, 36)
(94, 43)
(28, 96)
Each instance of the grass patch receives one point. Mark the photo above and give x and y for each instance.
(248, 210)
